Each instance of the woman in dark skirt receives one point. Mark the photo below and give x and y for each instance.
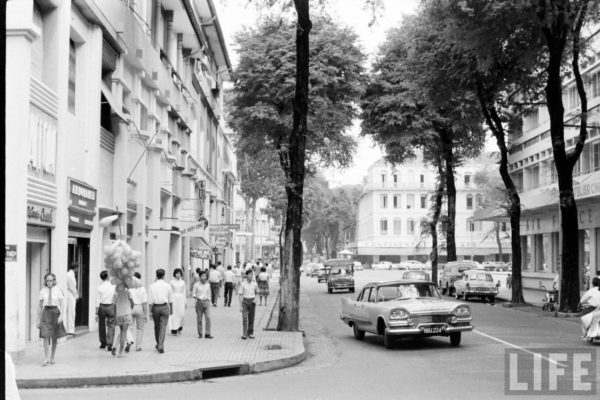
(49, 318)
(263, 285)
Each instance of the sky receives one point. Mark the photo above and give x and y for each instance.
(234, 14)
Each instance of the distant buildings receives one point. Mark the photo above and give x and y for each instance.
(396, 199)
(114, 109)
(531, 165)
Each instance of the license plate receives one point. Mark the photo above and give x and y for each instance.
(434, 329)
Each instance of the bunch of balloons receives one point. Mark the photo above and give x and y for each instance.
(120, 260)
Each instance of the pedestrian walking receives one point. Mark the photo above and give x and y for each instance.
(508, 281)
(263, 286)
(228, 278)
(248, 291)
(160, 299)
(105, 311)
(179, 298)
(122, 319)
(71, 298)
(139, 314)
(237, 277)
(50, 318)
(214, 279)
(589, 322)
(202, 294)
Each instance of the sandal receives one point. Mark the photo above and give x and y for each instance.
(45, 363)
(52, 361)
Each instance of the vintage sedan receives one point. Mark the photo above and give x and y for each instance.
(476, 283)
(416, 275)
(406, 308)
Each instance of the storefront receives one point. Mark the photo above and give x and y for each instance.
(40, 223)
(82, 210)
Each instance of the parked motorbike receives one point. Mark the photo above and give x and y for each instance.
(550, 298)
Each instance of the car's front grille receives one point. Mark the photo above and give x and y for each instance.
(428, 319)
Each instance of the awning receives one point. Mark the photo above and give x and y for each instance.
(112, 102)
(200, 243)
(491, 214)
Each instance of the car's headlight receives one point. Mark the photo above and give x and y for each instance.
(462, 311)
(399, 313)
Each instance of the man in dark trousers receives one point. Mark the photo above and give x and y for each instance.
(160, 300)
(105, 311)
(228, 277)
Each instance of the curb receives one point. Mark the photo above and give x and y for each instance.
(165, 377)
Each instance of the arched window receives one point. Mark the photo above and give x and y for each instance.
(383, 226)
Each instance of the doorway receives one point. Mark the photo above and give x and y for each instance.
(79, 252)
(37, 265)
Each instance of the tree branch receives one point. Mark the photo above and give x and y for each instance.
(574, 156)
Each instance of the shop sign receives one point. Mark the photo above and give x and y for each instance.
(199, 253)
(586, 190)
(10, 253)
(82, 196)
(39, 215)
(225, 227)
(80, 219)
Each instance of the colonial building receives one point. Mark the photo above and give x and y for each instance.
(115, 110)
(397, 199)
(531, 165)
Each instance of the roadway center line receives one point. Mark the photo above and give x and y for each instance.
(518, 348)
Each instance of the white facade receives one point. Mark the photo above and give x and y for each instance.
(531, 165)
(396, 199)
(115, 108)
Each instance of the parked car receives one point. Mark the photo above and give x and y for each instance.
(339, 275)
(399, 267)
(416, 275)
(404, 309)
(414, 265)
(321, 273)
(476, 283)
(383, 265)
(453, 271)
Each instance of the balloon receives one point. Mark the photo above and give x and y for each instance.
(125, 271)
(109, 249)
(108, 220)
(118, 264)
(113, 280)
(131, 264)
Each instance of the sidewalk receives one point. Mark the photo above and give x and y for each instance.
(80, 361)
(532, 296)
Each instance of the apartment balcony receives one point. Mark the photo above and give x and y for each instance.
(177, 185)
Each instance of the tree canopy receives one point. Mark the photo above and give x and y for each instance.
(264, 81)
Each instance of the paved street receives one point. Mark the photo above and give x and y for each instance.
(339, 367)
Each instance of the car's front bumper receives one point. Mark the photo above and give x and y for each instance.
(475, 292)
(419, 330)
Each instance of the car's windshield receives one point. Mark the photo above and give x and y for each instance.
(481, 277)
(407, 291)
(341, 271)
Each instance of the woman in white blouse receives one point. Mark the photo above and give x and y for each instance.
(179, 291)
(49, 317)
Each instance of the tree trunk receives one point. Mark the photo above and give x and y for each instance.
(495, 124)
(556, 37)
(334, 242)
(498, 240)
(451, 195)
(293, 166)
(253, 227)
(281, 248)
(326, 246)
(439, 195)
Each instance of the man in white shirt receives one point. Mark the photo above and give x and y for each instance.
(228, 278)
(237, 273)
(248, 290)
(71, 299)
(202, 293)
(214, 279)
(105, 311)
(160, 299)
(139, 313)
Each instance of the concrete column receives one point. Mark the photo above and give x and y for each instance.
(171, 39)
(180, 66)
(158, 23)
(20, 33)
